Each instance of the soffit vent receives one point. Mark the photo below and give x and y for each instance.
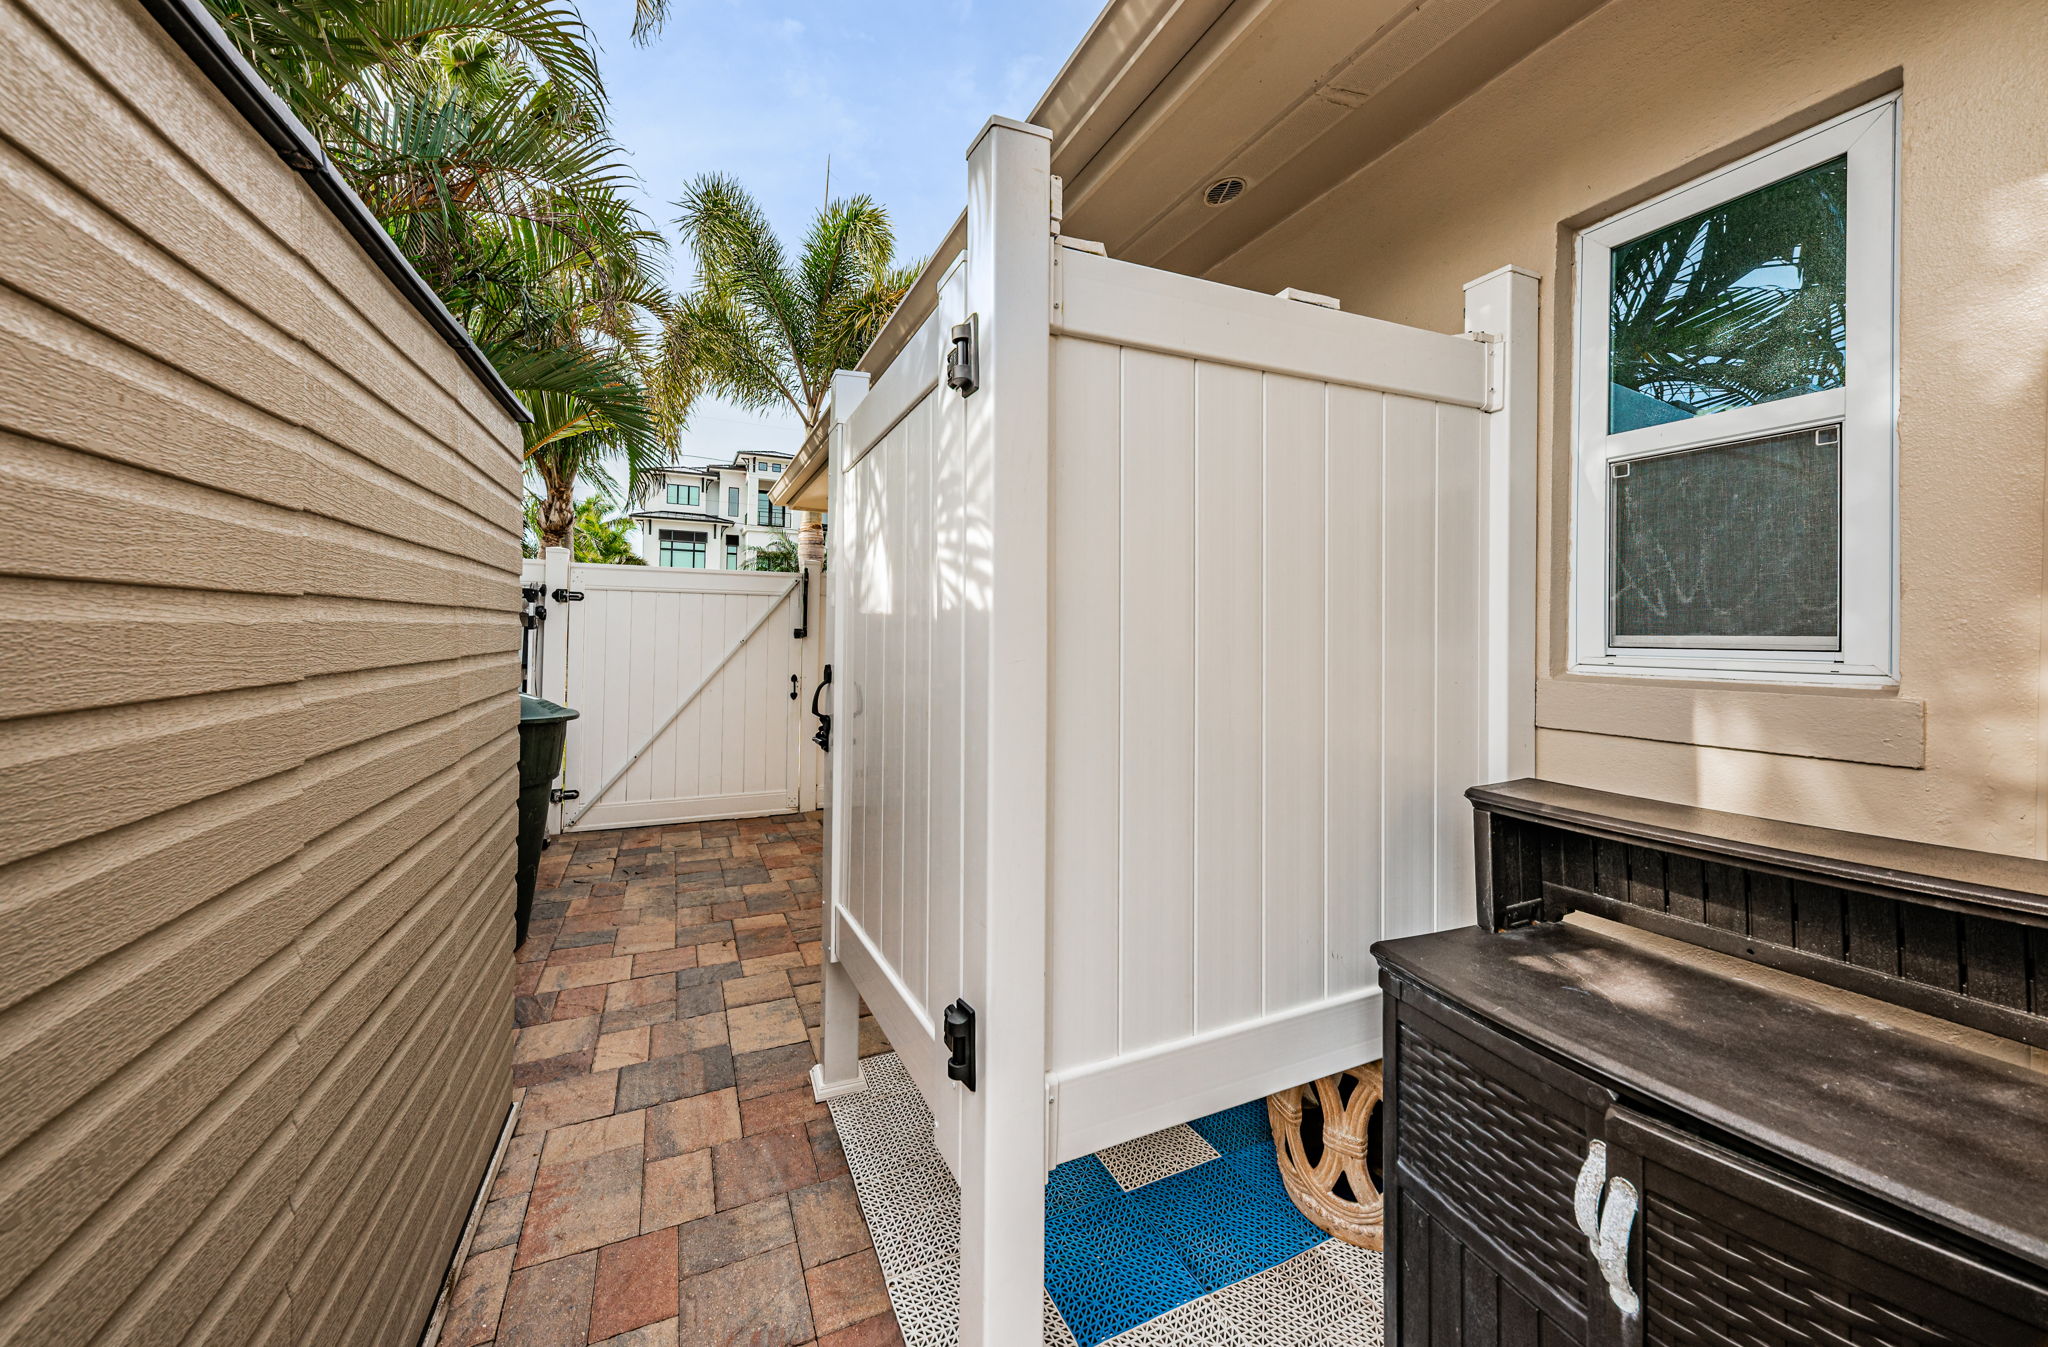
(1223, 191)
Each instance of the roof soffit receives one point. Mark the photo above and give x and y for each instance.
(1292, 97)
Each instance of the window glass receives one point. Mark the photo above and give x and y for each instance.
(732, 552)
(682, 549)
(1737, 545)
(1738, 305)
(682, 493)
(732, 501)
(769, 515)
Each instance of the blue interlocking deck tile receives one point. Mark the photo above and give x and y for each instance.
(1108, 1232)
(1237, 1129)
(1177, 1205)
(1246, 1241)
(1116, 1259)
(1078, 1183)
(1259, 1173)
(1112, 1274)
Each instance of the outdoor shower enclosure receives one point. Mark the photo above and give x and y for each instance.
(1169, 622)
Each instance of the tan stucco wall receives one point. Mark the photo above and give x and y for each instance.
(256, 730)
(1643, 94)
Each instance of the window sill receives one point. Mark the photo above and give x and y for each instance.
(1805, 722)
(1698, 669)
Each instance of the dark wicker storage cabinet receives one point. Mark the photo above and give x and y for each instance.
(1595, 1140)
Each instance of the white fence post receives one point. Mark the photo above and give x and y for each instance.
(848, 389)
(816, 613)
(1502, 305)
(838, 1072)
(554, 644)
(1003, 1124)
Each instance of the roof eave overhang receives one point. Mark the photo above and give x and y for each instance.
(1163, 96)
(804, 484)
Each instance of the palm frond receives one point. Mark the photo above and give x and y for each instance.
(476, 131)
(309, 49)
(764, 330)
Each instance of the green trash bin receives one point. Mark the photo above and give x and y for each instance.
(543, 725)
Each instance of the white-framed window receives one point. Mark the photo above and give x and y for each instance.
(682, 547)
(1735, 484)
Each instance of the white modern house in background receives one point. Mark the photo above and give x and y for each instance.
(715, 516)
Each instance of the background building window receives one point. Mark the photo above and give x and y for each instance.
(679, 548)
(732, 501)
(1734, 483)
(732, 552)
(769, 515)
(682, 493)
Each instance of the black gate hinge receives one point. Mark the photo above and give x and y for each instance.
(959, 1037)
(963, 357)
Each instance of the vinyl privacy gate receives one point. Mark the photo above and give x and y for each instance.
(1171, 621)
(691, 688)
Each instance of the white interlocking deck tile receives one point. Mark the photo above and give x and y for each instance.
(1161, 1155)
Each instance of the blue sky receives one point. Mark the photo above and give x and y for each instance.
(892, 90)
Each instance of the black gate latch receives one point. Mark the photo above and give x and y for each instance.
(568, 596)
(960, 1042)
(823, 738)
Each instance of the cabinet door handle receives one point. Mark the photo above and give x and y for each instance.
(1610, 1250)
(1586, 1196)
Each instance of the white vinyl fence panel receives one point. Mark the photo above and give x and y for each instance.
(683, 682)
(1265, 706)
(1164, 656)
(909, 731)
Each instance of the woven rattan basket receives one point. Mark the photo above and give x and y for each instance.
(1324, 1136)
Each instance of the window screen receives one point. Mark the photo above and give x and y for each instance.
(1738, 545)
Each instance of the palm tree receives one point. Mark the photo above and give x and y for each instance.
(597, 537)
(763, 330)
(475, 130)
(779, 555)
(324, 56)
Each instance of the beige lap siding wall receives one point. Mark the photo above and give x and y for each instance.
(1634, 98)
(257, 754)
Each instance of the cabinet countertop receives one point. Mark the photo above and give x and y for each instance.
(1953, 1135)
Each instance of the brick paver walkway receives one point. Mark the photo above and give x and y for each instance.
(672, 1183)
